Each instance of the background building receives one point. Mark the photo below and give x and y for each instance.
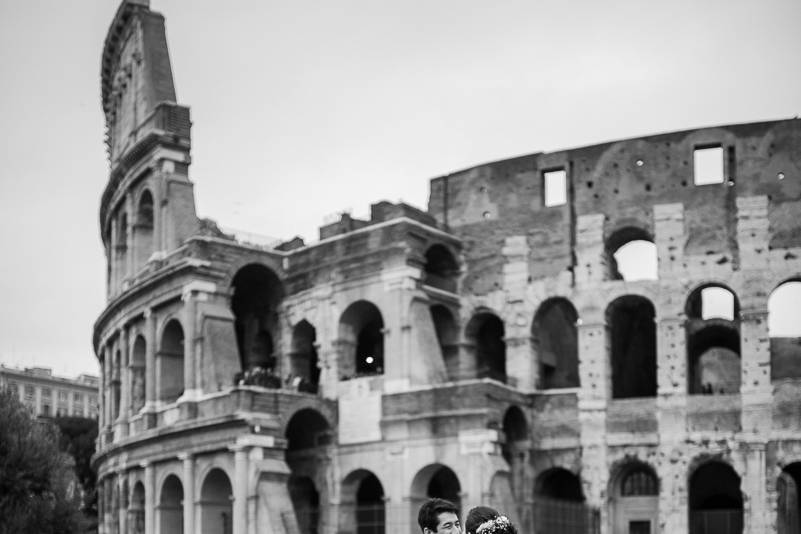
(49, 395)
(497, 348)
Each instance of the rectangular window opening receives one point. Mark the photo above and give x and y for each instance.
(555, 185)
(708, 165)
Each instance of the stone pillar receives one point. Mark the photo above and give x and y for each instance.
(123, 501)
(113, 258)
(101, 394)
(753, 232)
(240, 489)
(755, 387)
(189, 492)
(150, 497)
(671, 412)
(521, 367)
(125, 383)
(590, 254)
(593, 398)
(129, 241)
(190, 340)
(151, 402)
(758, 510)
(669, 238)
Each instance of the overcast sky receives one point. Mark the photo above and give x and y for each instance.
(302, 109)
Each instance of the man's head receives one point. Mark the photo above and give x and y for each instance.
(438, 516)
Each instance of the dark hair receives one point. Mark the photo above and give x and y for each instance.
(478, 515)
(428, 516)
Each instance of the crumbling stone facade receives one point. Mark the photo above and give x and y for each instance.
(491, 349)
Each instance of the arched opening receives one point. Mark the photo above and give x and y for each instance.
(448, 338)
(788, 504)
(304, 372)
(631, 255)
(363, 504)
(713, 340)
(307, 433)
(136, 511)
(435, 480)
(515, 431)
(138, 374)
(632, 332)
(635, 499)
(257, 294)
(485, 336)
(144, 213)
(115, 386)
(361, 340)
(554, 337)
(441, 269)
(170, 362)
(307, 429)
(559, 504)
(216, 500)
(716, 502)
(784, 329)
(170, 509)
(143, 230)
(305, 503)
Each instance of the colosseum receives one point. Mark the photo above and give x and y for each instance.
(500, 347)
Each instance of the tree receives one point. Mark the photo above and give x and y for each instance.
(38, 490)
(78, 435)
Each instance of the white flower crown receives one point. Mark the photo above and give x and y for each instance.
(499, 524)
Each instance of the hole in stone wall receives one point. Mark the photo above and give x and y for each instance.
(715, 499)
(713, 340)
(361, 337)
(257, 294)
(784, 330)
(708, 165)
(632, 332)
(555, 187)
(441, 269)
(485, 332)
(555, 342)
(631, 255)
(304, 372)
(448, 338)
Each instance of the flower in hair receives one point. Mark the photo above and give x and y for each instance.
(496, 525)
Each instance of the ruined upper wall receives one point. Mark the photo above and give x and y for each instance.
(136, 75)
(622, 180)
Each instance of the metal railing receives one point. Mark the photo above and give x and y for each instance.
(554, 516)
(728, 521)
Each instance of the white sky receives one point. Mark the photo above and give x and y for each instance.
(304, 108)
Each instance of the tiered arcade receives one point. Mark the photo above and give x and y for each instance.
(493, 349)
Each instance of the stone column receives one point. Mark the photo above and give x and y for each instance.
(150, 497)
(669, 238)
(101, 394)
(125, 382)
(240, 489)
(151, 402)
(671, 405)
(593, 398)
(123, 501)
(129, 242)
(189, 492)
(590, 256)
(522, 369)
(758, 510)
(190, 339)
